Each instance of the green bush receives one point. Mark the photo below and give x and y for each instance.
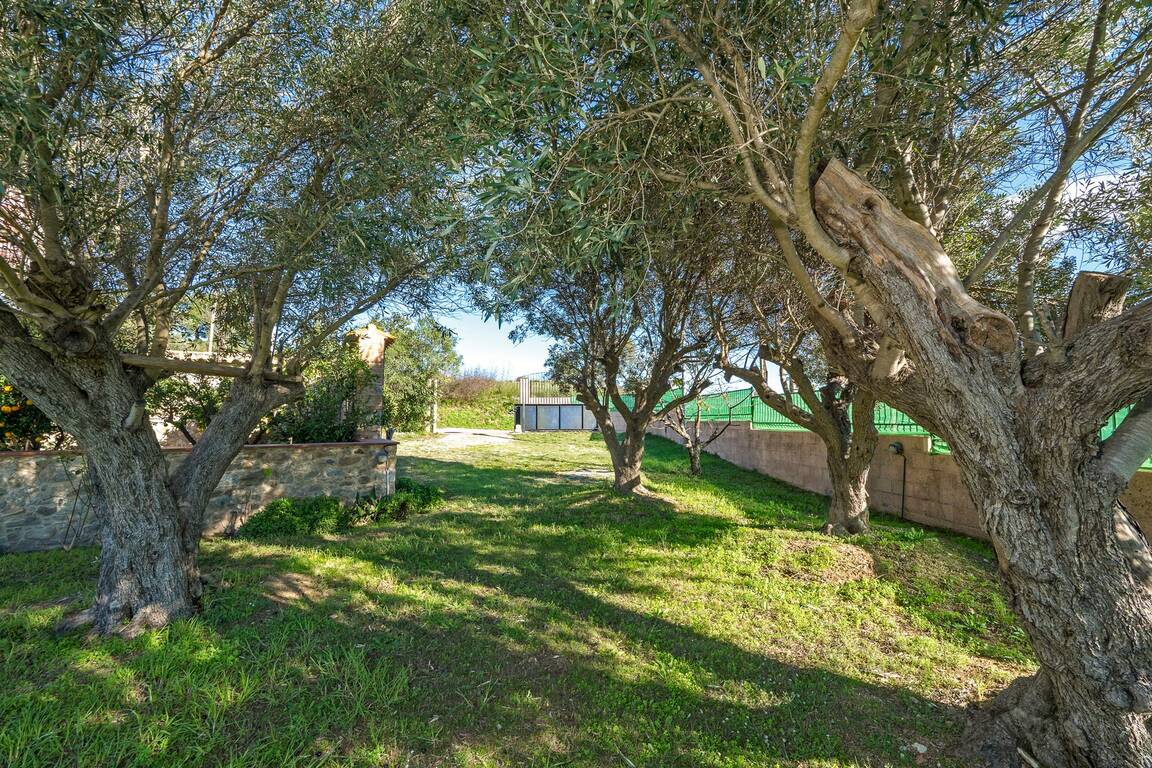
(410, 498)
(23, 426)
(330, 410)
(328, 514)
(417, 367)
(295, 517)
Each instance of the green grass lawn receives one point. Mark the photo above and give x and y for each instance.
(532, 620)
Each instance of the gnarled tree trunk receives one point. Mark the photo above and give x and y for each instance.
(150, 519)
(849, 435)
(1025, 432)
(1076, 568)
(146, 576)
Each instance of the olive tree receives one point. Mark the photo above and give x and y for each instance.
(156, 153)
(687, 419)
(765, 326)
(1023, 420)
(627, 323)
(936, 104)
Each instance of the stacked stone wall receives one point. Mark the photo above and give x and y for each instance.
(45, 504)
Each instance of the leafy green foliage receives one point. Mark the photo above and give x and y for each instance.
(419, 495)
(417, 366)
(330, 410)
(187, 403)
(328, 514)
(294, 517)
(23, 426)
(410, 498)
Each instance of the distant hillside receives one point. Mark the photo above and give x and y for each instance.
(478, 402)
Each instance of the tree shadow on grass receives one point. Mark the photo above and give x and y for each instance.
(509, 629)
(570, 505)
(520, 666)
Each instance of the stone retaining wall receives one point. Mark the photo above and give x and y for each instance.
(934, 493)
(44, 501)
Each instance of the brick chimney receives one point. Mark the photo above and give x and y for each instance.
(371, 342)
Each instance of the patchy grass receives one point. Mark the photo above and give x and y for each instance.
(534, 619)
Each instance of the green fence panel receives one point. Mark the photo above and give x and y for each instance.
(764, 417)
(743, 405)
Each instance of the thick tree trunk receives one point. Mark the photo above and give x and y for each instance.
(1075, 566)
(151, 524)
(694, 456)
(627, 454)
(848, 505)
(627, 467)
(1025, 433)
(147, 575)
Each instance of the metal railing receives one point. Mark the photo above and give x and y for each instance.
(742, 405)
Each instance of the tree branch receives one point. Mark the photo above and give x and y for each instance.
(860, 12)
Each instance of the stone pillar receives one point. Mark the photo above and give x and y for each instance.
(372, 343)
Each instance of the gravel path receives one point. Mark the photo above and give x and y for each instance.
(463, 438)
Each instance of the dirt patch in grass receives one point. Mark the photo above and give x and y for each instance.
(818, 562)
(466, 438)
(43, 605)
(294, 588)
(587, 475)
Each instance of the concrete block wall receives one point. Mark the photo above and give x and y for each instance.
(45, 504)
(934, 492)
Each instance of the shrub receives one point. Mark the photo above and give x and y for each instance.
(470, 385)
(328, 514)
(418, 366)
(329, 410)
(23, 426)
(410, 498)
(187, 403)
(295, 517)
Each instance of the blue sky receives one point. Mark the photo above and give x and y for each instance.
(484, 345)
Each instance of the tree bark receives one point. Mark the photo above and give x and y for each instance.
(848, 505)
(1086, 605)
(151, 521)
(694, 456)
(147, 577)
(1025, 434)
(627, 454)
(849, 435)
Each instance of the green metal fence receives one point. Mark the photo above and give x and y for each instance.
(742, 405)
